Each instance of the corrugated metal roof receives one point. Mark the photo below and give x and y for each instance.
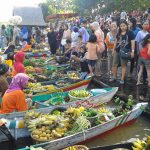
(30, 15)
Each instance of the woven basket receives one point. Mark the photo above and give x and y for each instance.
(78, 147)
(38, 141)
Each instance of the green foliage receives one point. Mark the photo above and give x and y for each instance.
(85, 7)
(56, 6)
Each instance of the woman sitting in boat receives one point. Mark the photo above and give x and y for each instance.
(18, 66)
(81, 59)
(4, 71)
(26, 46)
(14, 98)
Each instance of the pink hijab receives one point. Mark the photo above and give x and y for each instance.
(18, 82)
(18, 64)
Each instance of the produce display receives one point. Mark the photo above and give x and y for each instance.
(29, 69)
(55, 101)
(90, 112)
(77, 147)
(37, 87)
(62, 83)
(141, 144)
(73, 75)
(46, 127)
(80, 94)
(123, 105)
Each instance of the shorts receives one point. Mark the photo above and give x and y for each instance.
(145, 62)
(91, 63)
(117, 60)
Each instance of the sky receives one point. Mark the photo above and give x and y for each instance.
(6, 7)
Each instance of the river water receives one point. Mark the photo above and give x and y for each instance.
(139, 129)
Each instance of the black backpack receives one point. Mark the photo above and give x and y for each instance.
(7, 141)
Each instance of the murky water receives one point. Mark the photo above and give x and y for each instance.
(139, 129)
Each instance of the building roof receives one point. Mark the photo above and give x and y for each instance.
(32, 16)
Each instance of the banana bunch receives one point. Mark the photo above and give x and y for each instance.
(139, 145)
(71, 148)
(148, 140)
(34, 85)
(75, 112)
(43, 120)
(80, 93)
(31, 115)
(73, 76)
(51, 88)
(104, 110)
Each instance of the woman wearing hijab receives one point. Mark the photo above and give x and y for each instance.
(101, 47)
(26, 46)
(14, 98)
(18, 64)
(4, 68)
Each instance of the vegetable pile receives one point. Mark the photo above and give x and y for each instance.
(80, 93)
(123, 105)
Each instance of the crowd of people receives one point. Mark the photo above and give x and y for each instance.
(85, 42)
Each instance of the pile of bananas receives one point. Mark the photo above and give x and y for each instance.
(80, 93)
(74, 112)
(51, 88)
(30, 115)
(73, 75)
(141, 145)
(76, 147)
(47, 127)
(34, 85)
(104, 110)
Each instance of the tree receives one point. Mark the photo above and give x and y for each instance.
(84, 7)
(56, 6)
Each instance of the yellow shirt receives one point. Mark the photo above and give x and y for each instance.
(9, 63)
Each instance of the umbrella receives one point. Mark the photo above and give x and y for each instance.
(15, 20)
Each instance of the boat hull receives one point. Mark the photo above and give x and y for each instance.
(94, 131)
(94, 100)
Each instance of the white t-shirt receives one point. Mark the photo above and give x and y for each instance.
(74, 39)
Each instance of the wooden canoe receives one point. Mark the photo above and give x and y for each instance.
(111, 147)
(100, 96)
(79, 85)
(94, 131)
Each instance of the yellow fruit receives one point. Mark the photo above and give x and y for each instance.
(48, 131)
(35, 136)
(43, 134)
(81, 109)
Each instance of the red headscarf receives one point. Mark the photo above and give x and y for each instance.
(19, 59)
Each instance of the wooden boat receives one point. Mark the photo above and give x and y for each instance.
(116, 146)
(100, 96)
(131, 116)
(79, 85)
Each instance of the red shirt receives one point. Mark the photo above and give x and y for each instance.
(144, 53)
